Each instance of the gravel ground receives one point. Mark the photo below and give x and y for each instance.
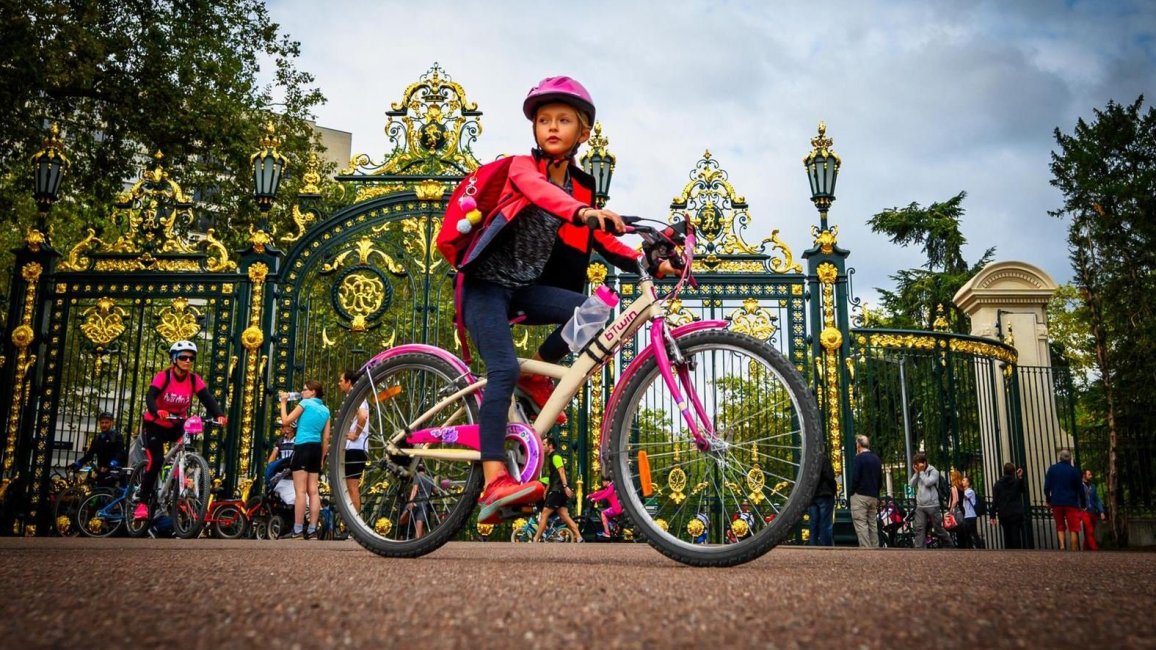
(204, 593)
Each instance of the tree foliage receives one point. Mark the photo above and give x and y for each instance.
(1106, 170)
(127, 78)
(918, 292)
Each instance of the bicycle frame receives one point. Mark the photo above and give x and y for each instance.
(648, 307)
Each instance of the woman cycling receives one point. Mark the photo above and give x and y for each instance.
(312, 444)
(532, 258)
(167, 405)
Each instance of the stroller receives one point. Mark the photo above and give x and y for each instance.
(890, 521)
(272, 512)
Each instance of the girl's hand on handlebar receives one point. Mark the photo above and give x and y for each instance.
(222, 420)
(606, 220)
(162, 414)
(665, 269)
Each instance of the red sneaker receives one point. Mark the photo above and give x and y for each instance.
(505, 492)
(141, 511)
(538, 388)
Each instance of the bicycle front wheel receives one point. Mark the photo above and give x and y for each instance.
(759, 473)
(191, 500)
(397, 392)
(101, 514)
(135, 527)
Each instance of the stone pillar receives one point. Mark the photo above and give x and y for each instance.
(1008, 301)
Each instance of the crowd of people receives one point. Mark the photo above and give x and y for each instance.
(946, 512)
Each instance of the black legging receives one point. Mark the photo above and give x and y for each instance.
(154, 438)
(965, 535)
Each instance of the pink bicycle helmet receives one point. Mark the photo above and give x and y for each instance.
(558, 89)
(194, 425)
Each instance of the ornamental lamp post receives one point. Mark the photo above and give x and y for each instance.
(268, 167)
(49, 165)
(822, 166)
(599, 163)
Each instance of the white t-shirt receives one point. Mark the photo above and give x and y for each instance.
(362, 441)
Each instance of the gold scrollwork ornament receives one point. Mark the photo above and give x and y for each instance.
(676, 481)
(178, 321)
(756, 481)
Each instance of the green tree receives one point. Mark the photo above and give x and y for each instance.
(918, 292)
(1106, 170)
(125, 79)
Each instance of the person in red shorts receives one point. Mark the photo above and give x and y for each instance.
(1063, 490)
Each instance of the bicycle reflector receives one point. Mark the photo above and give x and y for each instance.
(644, 474)
(194, 425)
(392, 391)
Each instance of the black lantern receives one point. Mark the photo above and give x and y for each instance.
(268, 166)
(599, 163)
(822, 167)
(49, 166)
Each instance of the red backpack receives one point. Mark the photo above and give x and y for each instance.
(471, 207)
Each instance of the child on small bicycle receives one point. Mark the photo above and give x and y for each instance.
(167, 405)
(532, 258)
(612, 509)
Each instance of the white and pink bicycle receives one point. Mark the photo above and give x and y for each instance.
(701, 420)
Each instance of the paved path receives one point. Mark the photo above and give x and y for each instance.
(80, 593)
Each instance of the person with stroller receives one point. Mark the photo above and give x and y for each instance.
(312, 444)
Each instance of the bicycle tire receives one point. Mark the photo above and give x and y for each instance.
(94, 524)
(770, 406)
(136, 528)
(230, 522)
(386, 481)
(521, 535)
(189, 505)
(65, 510)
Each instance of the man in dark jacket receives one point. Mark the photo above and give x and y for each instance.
(1007, 505)
(866, 482)
(106, 448)
(823, 505)
(1063, 489)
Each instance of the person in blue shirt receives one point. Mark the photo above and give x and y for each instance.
(1093, 510)
(1064, 492)
(312, 444)
(866, 482)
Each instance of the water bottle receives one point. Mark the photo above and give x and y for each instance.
(589, 318)
(293, 396)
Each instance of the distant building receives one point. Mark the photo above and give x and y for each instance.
(338, 145)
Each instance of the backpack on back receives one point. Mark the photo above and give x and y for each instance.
(473, 204)
(944, 489)
(980, 505)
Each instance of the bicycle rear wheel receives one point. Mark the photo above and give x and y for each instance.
(64, 513)
(190, 501)
(397, 391)
(229, 522)
(764, 457)
(101, 514)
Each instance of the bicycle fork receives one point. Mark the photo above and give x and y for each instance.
(670, 361)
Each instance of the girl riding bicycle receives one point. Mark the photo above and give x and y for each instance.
(532, 258)
(167, 405)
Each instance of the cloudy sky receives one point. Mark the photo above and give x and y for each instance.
(923, 99)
